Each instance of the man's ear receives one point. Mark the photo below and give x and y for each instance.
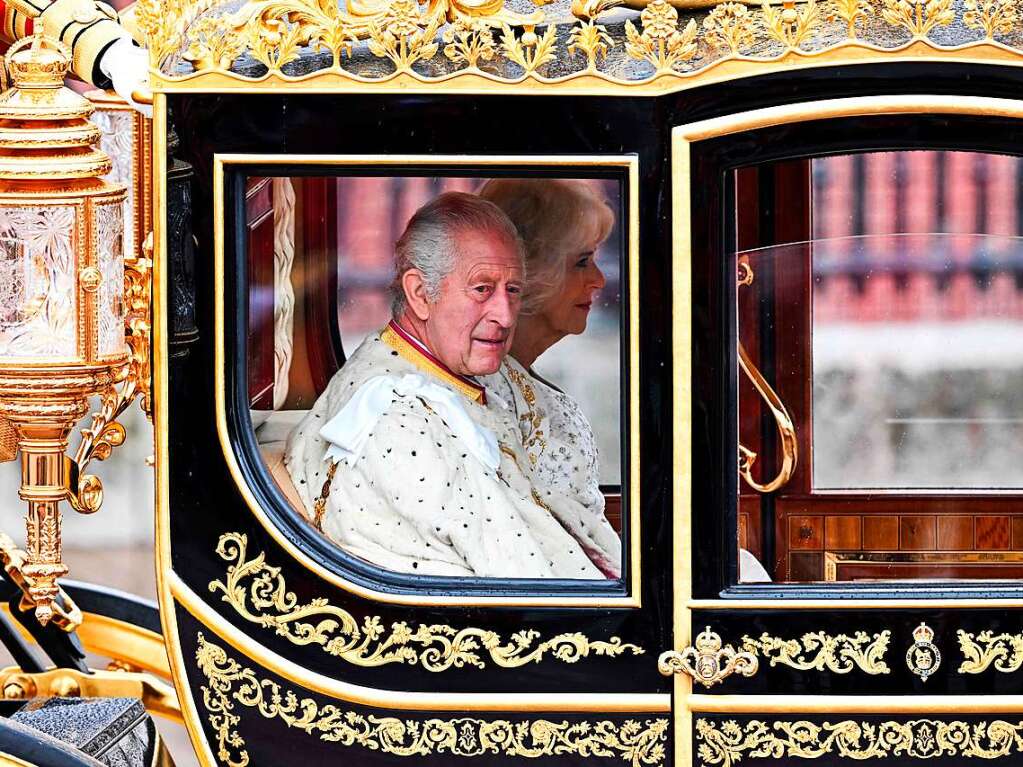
(415, 294)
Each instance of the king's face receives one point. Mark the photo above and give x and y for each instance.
(470, 326)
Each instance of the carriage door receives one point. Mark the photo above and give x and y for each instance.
(849, 314)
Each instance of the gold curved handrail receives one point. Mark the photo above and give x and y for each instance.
(782, 419)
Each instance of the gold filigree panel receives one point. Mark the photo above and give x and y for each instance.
(258, 593)
(487, 44)
(229, 685)
(817, 651)
(981, 651)
(729, 743)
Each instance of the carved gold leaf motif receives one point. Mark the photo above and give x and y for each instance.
(592, 40)
(982, 650)
(730, 26)
(993, 16)
(818, 651)
(258, 593)
(850, 11)
(530, 50)
(451, 36)
(789, 26)
(469, 43)
(728, 743)
(661, 43)
(229, 684)
(918, 16)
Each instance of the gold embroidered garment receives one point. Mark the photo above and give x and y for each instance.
(562, 454)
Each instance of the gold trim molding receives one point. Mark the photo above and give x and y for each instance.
(229, 683)
(484, 46)
(258, 593)
(980, 651)
(728, 743)
(817, 651)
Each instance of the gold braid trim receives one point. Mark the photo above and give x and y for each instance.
(411, 354)
(320, 504)
(531, 419)
(258, 593)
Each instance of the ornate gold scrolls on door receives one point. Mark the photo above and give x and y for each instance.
(229, 684)
(982, 650)
(818, 651)
(729, 743)
(274, 32)
(707, 662)
(259, 594)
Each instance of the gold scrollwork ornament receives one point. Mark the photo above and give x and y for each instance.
(229, 684)
(817, 651)
(982, 650)
(724, 744)
(707, 661)
(923, 658)
(258, 593)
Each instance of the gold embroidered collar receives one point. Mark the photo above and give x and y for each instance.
(411, 349)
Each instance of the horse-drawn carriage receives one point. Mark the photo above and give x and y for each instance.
(800, 370)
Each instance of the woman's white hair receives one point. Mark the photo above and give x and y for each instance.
(430, 243)
(554, 217)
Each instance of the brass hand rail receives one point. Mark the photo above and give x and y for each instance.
(786, 429)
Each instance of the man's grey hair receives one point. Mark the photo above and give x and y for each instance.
(430, 241)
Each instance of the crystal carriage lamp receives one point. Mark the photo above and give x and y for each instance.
(65, 298)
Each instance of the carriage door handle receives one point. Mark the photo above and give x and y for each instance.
(782, 419)
(706, 661)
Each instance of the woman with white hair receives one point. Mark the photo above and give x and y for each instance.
(562, 224)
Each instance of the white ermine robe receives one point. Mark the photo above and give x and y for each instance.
(422, 474)
(562, 456)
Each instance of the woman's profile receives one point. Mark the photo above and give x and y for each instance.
(562, 224)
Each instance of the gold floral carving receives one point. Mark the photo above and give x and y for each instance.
(661, 43)
(529, 50)
(258, 593)
(818, 651)
(229, 684)
(728, 743)
(469, 43)
(995, 17)
(789, 26)
(403, 35)
(592, 40)
(918, 16)
(439, 40)
(1004, 651)
(730, 27)
(850, 11)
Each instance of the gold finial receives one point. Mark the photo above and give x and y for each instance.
(38, 62)
(38, 65)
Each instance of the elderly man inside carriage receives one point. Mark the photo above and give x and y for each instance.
(407, 460)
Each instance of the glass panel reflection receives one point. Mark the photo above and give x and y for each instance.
(881, 417)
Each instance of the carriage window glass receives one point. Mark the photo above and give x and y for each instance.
(881, 411)
(434, 367)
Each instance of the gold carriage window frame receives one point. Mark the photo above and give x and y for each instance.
(468, 165)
